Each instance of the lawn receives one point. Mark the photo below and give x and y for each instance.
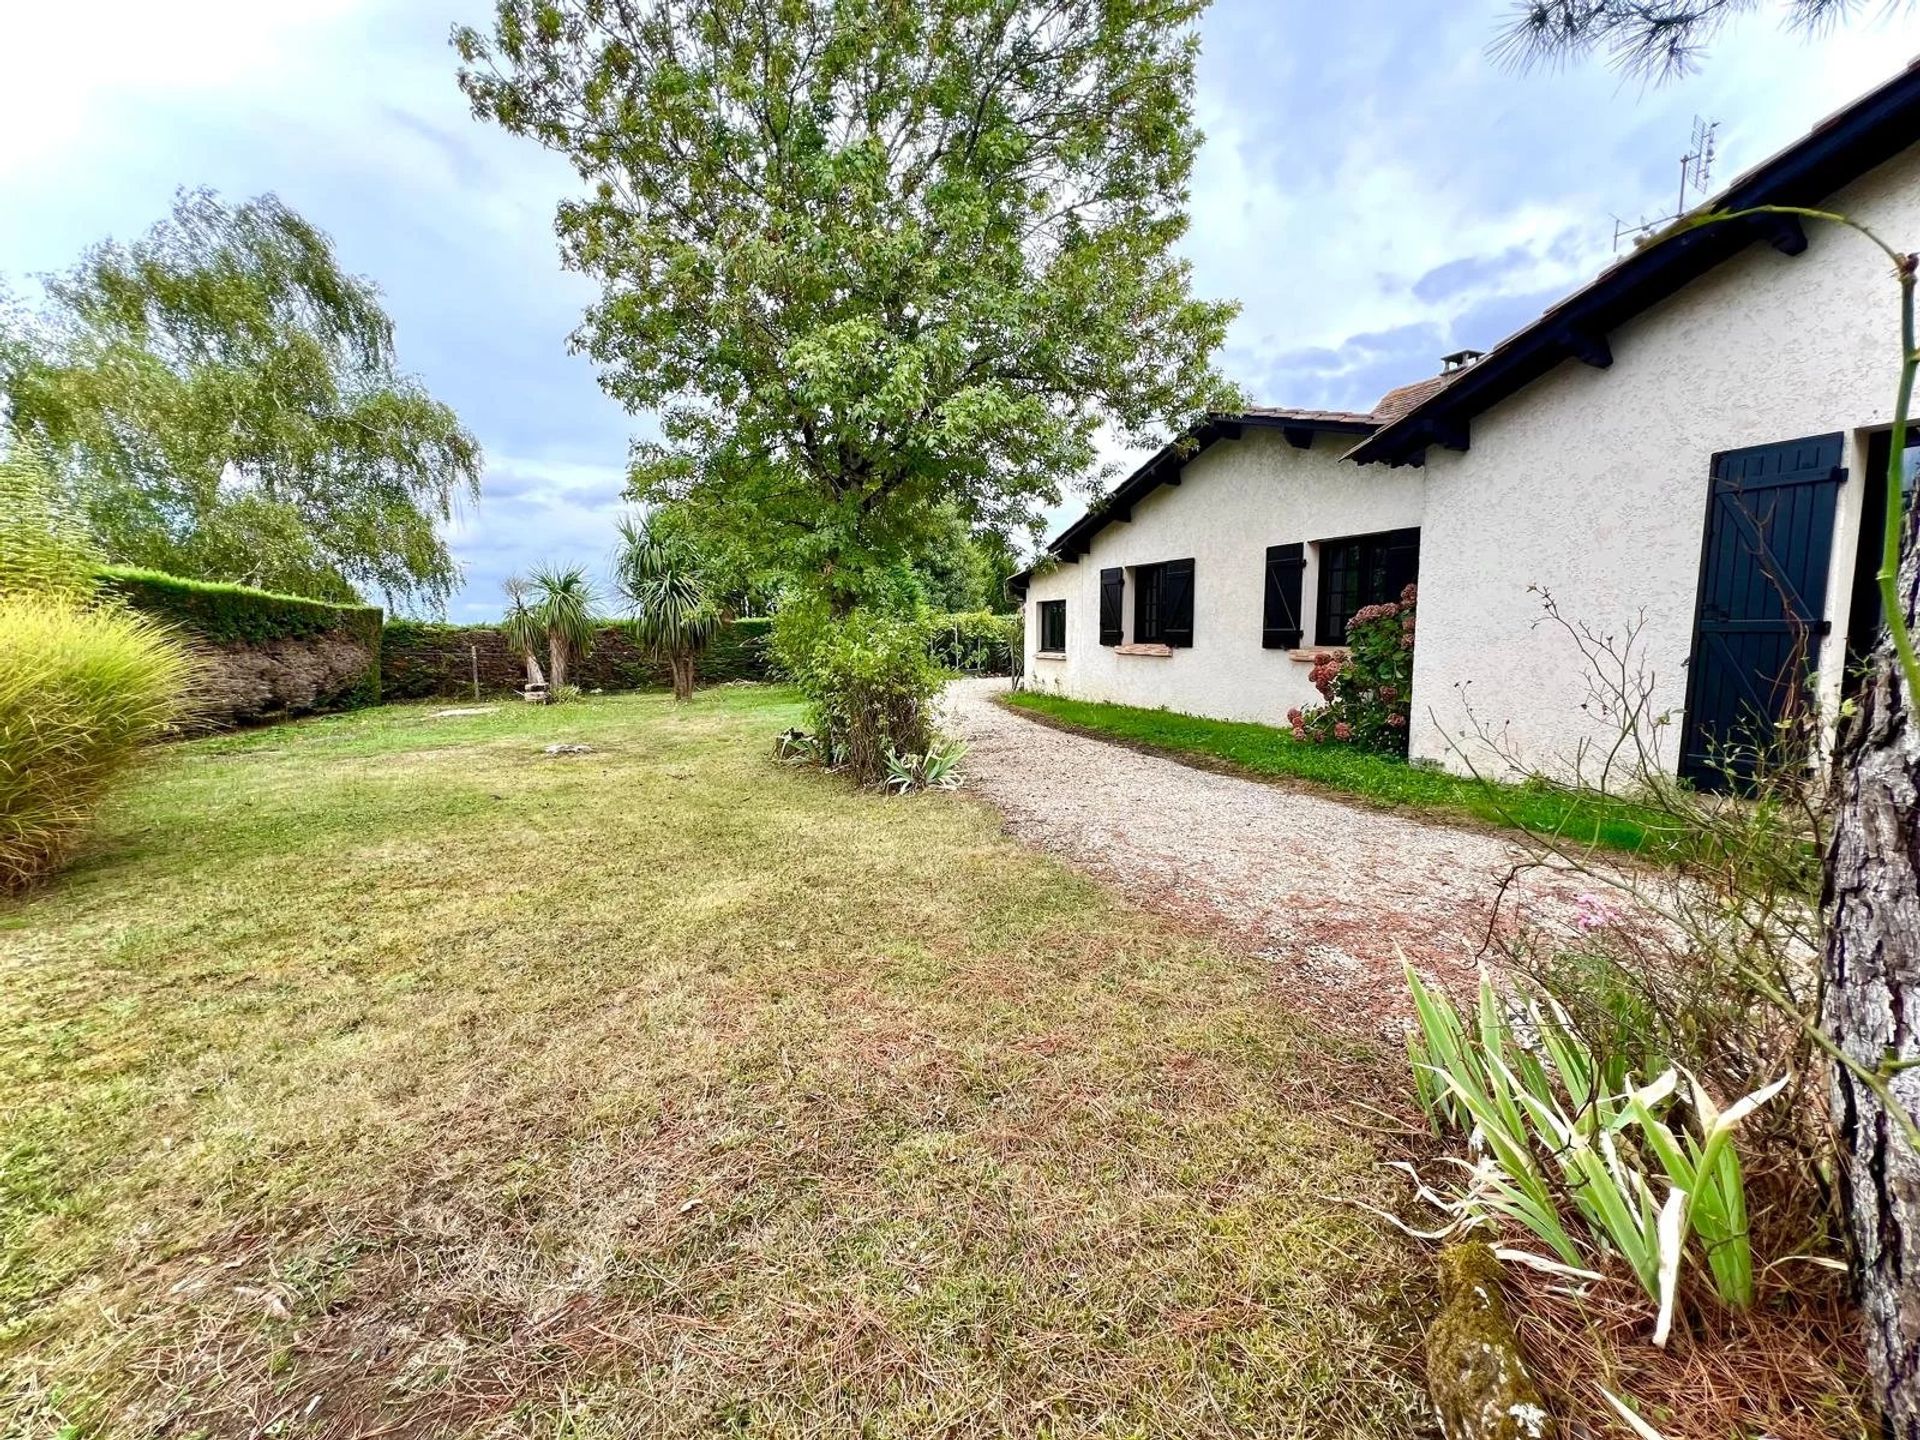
(382, 1075)
(1264, 750)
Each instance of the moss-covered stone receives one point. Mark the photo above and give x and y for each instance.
(1474, 1371)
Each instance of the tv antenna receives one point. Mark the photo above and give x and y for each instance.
(1696, 175)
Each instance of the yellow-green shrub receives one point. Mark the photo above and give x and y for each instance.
(81, 690)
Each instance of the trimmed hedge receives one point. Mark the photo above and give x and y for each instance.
(264, 656)
(421, 659)
(222, 614)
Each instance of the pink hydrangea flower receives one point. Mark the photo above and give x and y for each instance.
(1342, 730)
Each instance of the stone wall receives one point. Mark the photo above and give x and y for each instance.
(420, 660)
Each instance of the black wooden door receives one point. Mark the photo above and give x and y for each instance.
(1763, 596)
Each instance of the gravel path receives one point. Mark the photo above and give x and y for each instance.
(1331, 893)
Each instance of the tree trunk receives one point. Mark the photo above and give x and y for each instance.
(534, 677)
(682, 677)
(1872, 1011)
(557, 648)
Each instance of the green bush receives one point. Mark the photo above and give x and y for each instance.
(81, 689)
(220, 614)
(870, 680)
(977, 642)
(1367, 691)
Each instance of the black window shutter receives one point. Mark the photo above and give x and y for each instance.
(1113, 585)
(1280, 623)
(1403, 562)
(1176, 602)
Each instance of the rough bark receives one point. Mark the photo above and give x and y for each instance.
(1872, 1012)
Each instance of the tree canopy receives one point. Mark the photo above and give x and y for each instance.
(221, 401)
(874, 262)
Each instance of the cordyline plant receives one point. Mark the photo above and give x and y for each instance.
(874, 264)
(521, 625)
(563, 607)
(659, 577)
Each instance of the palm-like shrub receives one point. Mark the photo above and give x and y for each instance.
(523, 629)
(563, 604)
(659, 578)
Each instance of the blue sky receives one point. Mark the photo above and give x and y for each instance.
(1373, 189)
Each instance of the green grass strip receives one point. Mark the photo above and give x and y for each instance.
(1574, 817)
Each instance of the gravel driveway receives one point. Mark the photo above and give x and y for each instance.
(1332, 893)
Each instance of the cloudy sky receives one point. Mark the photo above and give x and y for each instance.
(1374, 191)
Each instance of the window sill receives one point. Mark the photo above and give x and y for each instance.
(1307, 657)
(1162, 650)
(1049, 654)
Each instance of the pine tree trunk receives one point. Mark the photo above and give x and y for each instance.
(1872, 1011)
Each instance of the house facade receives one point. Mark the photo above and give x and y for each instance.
(1689, 451)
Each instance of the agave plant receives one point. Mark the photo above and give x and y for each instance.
(564, 601)
(523, 629)
(659, 578)
(937, 769)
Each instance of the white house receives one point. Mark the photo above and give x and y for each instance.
(1694, 443)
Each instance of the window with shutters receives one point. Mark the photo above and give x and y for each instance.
(1361, 570)
(1163, 603)
(1053, 627)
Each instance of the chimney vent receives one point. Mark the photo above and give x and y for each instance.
(1458, 360)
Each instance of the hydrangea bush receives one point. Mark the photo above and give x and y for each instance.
(1368, 688)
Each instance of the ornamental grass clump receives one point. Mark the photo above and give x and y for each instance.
(1367, 689)
(82, 689)
(83, 685)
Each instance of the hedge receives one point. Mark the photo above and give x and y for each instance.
(222, 614)
(420, 659)
(230, 622)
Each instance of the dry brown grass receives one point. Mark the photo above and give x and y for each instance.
(381, 1076)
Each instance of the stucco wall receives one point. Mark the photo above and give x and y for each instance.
(1235, 499)
(1593, 483)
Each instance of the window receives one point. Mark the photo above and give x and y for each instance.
(1163, 603)
(1361, 570)
(1053, 626)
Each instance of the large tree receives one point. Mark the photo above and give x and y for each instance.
(222, 401)
(874, 261)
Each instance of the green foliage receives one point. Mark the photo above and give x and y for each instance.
(81, 690)
(980, 643)
(221, 401)
(658, 573)
(219, 614)
(1368, 691)
(870, 680)
(938, 768)
(877, 266)
(563, 602)
(522, 627)
(1575, 819)
(1568, 1136)
(42, 550)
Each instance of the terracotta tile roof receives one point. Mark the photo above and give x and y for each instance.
(1309, 417)
(1396, 403)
